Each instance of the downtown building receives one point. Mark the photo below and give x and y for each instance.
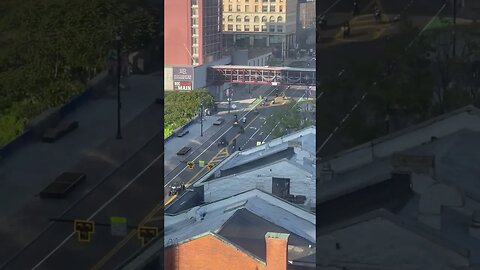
(193, 41)
(260, 23)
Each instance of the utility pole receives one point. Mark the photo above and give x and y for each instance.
(201, 119)
(454, 25)
(119, 104)
(229, 99)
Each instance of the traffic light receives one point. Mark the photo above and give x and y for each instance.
(84, 230)
(190, 165)
(210, 165)
(146, 233)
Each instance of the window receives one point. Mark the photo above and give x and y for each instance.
(272, 8)
(230, 18)
(272, 19)
(194, 31)
(272, 28)
(264, 19)
(239, 27)
(195, 21)
(256, 1)
(194, 12)
(256, 19)
(194, 40)
(230, 8)
(246, 19)
(265, 1)
(195, 51)
(194, 2)
(264, 28)
(247, 8)
(280, 19)
(280, 8)
(279, 28)
(256, 8)
(238, 8)
(230, 27)
(239, 19)
(246, 28)
(256, 28)
(264, 8)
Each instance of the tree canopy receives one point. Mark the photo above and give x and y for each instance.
(50, 49)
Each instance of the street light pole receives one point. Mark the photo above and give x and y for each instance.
(201, 120)
(119, 104)
(454, 24)
(229, 99)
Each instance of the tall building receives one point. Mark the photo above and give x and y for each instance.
(193, 41)
(307, 13)
(193, 33)
(260, 23)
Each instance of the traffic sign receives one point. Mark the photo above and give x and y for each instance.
(210, 165)
(190, 165)
(201, 163)
(146, 233)
(84, 230)
(118, 226)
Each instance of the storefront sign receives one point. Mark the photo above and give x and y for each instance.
(183, 74)
(182, 86)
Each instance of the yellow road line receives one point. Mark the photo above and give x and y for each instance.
(171, 199)
(148, 218)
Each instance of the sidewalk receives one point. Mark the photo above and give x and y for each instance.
(33, 167)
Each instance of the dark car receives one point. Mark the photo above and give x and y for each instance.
(184, 151)
(222, 142)
(182, 132)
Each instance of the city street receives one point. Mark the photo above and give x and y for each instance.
(208, 152)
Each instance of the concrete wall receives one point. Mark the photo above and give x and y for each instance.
(240, 57)
(178, 32)
(261, 60)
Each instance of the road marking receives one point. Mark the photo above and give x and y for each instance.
(213, 142)
(99, 209)
(171, 199)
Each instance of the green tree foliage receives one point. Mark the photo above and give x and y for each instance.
(183, 106)
(290, 119)
(50, 49)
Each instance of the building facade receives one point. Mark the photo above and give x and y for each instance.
(307, 13)
(260, 23)
(192, 32)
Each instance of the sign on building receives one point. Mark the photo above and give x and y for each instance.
(182, 78)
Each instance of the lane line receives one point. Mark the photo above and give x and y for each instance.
(99, 209)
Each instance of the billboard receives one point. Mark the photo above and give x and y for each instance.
(182, 85)
(182, 78)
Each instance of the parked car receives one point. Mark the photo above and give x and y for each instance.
(182, 132)
(219, 121)
(184, 151)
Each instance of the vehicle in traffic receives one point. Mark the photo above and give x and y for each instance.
(219, 121)
(184, 151)
(244, 120)
(222, 142)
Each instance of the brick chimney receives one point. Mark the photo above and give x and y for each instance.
(277, 250)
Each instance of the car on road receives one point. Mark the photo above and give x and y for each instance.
(219, 121)
(182, 132)
(222, 142)
(184, 151)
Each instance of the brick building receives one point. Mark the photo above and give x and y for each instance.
(212, 251)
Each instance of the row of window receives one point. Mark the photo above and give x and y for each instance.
(255, 19)
(264, 8)
(256, 1)
(256, 28)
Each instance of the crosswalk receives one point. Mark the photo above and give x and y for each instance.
(223, 154)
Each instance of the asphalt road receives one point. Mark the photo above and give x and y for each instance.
(119, 195)
(208, 151)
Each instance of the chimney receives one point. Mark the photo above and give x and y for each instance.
(277, 250)
(474, 228)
